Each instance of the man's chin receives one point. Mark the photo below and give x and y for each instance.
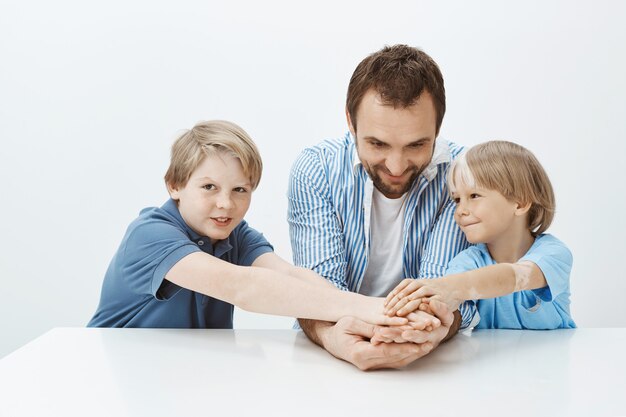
(392, 191)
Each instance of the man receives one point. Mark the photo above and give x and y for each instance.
(371, 208)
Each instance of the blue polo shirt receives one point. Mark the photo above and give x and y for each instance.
(134, 291)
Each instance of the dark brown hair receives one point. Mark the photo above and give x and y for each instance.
(400, 74)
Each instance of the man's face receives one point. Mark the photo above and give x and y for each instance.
(394, 144)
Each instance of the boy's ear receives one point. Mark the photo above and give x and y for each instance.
(350, 125)
(522, 208)
(173, 191)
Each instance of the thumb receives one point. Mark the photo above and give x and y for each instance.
(442, 312)
(356, 326)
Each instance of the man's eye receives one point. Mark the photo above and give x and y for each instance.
(378, 144)
(208, 187)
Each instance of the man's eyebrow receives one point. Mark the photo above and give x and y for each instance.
(420, 141)
(373, 138)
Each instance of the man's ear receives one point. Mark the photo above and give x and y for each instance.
(522, 208)
(350, 125)
(174, 191)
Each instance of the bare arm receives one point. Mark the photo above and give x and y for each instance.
(487, 282)
(269, 291)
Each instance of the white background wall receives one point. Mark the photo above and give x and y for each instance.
(93, 94)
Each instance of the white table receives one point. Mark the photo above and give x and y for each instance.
(161, 372)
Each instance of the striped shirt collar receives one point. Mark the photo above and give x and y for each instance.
(441, 155)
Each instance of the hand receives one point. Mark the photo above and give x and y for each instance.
(411, 293)
(418, 320)
(403, 334)
(371, 311)
(349, 339)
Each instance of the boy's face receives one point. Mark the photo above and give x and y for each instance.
(216, 197)
(486, 216)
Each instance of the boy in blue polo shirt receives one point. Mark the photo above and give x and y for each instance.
(184, 264)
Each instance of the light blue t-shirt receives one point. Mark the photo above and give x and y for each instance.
(540, 309)
(134, 291)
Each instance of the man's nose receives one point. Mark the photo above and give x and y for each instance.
(396, 164)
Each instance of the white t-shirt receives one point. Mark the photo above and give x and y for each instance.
(384, 270)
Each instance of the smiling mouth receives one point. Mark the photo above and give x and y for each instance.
(221, 221)
(469, 224)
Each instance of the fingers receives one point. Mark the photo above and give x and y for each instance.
(421, 320)
(396, 290)
(441, 311)
(389, 335)
(352, 325)
(423, 350)
(409, 307)
(387, 355)
(417, 336)
(391, 321)
(394, 308)
(405, 289)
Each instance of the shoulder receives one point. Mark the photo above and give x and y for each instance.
(155, 223)
(326, 152)
(548, 245)
(471, 258)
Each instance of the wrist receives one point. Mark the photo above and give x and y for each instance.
(457, 287)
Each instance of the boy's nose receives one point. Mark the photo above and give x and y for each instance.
(461, 210)
(224, 201)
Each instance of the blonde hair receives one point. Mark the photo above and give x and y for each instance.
(207, 138)
(514, 172)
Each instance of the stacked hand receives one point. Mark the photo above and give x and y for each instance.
(413, 299)
(416, 294)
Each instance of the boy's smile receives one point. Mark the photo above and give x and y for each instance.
(485, 216)
(216, 197)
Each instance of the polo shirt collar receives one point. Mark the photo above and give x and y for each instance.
(204, 242)
(441, 155)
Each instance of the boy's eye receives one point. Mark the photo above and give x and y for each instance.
(474, 195)
(240, 190)
(209, 187)
(456, 200)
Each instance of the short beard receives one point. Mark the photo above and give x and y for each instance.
(389, 190)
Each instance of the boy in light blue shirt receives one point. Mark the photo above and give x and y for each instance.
(518, 274)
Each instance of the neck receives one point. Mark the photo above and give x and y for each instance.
(510, 248)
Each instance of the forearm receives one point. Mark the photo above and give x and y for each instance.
(495, 280)
(266, 291)
(315, 330)
(310, 276)
(272, 292)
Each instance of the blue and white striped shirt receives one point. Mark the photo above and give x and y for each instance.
(330, 198)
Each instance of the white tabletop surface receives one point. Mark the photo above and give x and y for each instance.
(161, 372)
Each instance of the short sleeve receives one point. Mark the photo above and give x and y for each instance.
(464, 261)
(150, 251)
(251, 244)
(555, 261)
